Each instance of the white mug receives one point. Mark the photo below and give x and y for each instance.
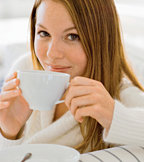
(43, 89)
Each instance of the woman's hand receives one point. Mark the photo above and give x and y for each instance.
(87, 97)
(14, 110)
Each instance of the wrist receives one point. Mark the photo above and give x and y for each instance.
(8, 136)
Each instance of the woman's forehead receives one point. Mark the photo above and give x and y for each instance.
(51, 8)
(53, 13)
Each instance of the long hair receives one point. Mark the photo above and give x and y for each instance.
(97, 24)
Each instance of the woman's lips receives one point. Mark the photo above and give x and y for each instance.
(58, 68)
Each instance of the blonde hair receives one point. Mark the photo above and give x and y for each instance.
(97, 24)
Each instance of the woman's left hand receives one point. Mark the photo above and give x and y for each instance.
(88, 97)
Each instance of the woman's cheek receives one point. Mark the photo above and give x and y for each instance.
(39, 48)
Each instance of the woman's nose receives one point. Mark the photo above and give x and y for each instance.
(54, 51)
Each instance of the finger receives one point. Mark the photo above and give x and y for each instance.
(77, 91)
(84, 112)
(12, 84)
(84, 81)
(94, 112)
(7, 95)
(82, 102)
(4, 105)
(11, 76)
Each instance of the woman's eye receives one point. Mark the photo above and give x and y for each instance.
(43, 34)
(73, 37)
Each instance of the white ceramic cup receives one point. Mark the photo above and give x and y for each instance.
(43, 89)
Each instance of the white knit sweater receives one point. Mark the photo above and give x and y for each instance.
(127, 126)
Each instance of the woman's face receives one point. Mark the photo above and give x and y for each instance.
(57, 43)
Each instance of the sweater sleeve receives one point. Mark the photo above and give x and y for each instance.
(128, 120)
(22, 63)
(5, 143)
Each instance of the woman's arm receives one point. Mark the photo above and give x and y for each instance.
(128, 120)
(22, 63)
(123, 121)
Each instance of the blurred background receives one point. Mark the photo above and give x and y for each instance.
(14, 32)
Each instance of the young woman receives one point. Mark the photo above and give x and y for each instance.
(81, 38)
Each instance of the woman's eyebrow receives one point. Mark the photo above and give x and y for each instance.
(66, 30)
(40, 25)
(71, 28)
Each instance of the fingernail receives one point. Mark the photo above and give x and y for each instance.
(81, 120)
(20, 90)
(14, 74)
(17, 81)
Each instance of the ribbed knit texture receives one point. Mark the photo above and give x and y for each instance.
(127, 126)
(128, 121)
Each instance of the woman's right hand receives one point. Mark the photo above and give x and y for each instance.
(14, 109)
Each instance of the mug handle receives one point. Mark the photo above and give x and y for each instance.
(59, 102)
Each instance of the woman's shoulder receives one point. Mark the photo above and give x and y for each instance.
(24, 62)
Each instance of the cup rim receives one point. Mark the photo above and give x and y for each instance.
(43, 71)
